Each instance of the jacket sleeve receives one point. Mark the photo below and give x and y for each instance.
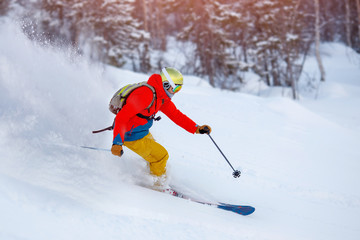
(135, 103)
(170, 110)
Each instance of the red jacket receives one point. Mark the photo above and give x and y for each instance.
(129, 127)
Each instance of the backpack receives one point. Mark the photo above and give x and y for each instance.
(119, 98)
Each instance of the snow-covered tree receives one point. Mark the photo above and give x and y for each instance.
(153, 17)
(278, 41)
(317, 40)
(229, 37)
(205, 21)
(109, 30)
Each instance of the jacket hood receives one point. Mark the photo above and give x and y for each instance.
(156, 81)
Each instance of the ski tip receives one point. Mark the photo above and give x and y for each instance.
(243, 210)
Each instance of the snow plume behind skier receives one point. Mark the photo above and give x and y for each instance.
(133, 121)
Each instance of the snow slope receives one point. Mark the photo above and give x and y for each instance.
(299, 160)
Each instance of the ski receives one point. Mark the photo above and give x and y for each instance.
(239, 209)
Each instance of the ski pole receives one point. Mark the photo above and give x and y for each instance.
(97, 149)
(236, 173)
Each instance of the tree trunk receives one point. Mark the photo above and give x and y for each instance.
(347, 23)
(160, 26)
(290, 77)
(145, 8)
(358, 13)
(317, 40)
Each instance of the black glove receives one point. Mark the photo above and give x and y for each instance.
(203, 129)
(117, 150)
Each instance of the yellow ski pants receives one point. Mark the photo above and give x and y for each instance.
(152, 152)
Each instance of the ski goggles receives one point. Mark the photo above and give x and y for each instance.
(177, 88)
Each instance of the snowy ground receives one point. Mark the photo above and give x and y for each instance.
(300, 160)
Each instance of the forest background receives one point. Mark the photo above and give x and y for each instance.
(219, 40)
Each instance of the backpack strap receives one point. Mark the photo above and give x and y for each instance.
(120, 97)
(128, 90)
(154, 94)
(123, 93)
(149, 117)
(148, 108)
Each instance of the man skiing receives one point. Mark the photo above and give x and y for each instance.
(135, 118)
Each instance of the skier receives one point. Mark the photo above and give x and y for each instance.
(133, 121)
